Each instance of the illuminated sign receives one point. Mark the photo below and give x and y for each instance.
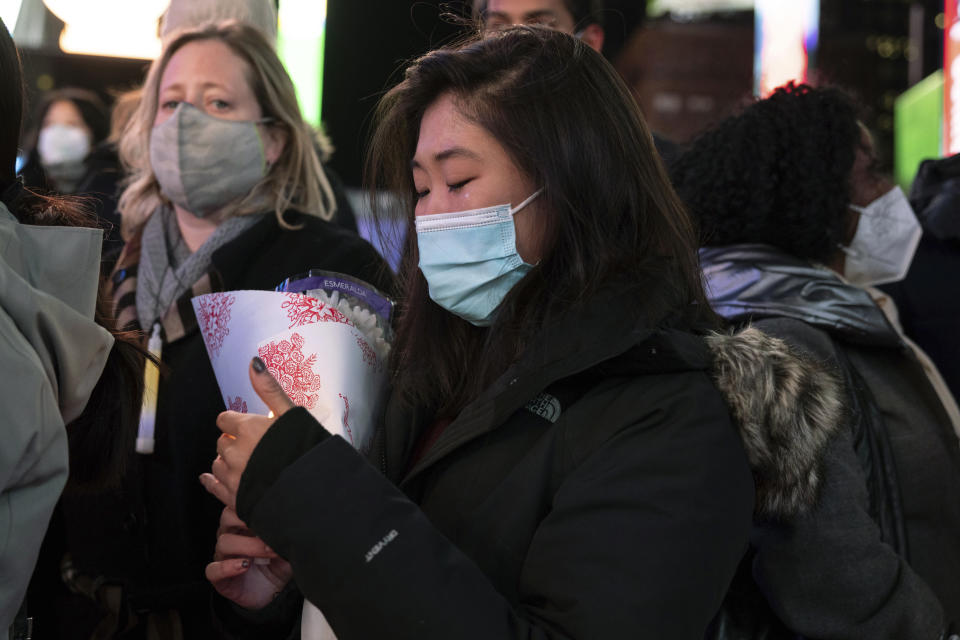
(786, 39)
(9, 10)
(120, 28)
(951, 77)
(300, 43)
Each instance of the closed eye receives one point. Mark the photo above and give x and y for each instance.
(459, 185)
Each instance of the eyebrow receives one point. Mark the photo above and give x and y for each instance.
(205, 85)
(447, 154)
(530, 15)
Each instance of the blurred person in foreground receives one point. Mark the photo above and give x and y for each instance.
(71, 386)
(557, 459)
(797, 223)
(226, 192)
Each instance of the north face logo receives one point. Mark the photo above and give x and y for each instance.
(546, 406)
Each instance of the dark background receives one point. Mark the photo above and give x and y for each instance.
(685, 73)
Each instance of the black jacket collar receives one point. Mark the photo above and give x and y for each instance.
(609, 330)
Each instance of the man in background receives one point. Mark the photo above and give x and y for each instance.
(582, 18)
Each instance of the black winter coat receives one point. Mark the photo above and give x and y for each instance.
(597, 489)
(156, 536)
(878, 555)
(928, 299)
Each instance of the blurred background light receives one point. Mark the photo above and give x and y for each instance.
(119, 28)
(786, 38)
(301, 37)
(9, 10)
(656, 8)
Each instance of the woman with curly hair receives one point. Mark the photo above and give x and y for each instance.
(796, 223)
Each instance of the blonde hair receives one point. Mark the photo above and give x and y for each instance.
(295, 181)
(124, 105)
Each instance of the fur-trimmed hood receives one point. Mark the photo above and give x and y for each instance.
(786, 406)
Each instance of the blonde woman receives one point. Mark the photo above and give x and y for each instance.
(226, 192)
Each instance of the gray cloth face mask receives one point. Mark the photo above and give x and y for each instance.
(202, 162)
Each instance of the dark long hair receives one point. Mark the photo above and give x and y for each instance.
(569, 123)
(11, 107)
(778, 173)
(101, 438)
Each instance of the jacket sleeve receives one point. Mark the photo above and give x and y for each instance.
(641, 540)
(828, 573)
(277, 620)
(33, 464)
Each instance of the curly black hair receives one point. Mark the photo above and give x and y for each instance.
(778, 173)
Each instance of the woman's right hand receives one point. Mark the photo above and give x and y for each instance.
(235, 575)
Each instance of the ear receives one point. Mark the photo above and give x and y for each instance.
(592, 36)
(274, 142)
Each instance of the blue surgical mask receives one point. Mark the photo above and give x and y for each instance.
(470, 259)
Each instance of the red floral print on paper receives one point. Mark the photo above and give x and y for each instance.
(346, 417)
(293, 370)
(367, 353)
(214, 320)
(237, 404)
(303, 310)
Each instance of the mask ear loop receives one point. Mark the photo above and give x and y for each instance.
(517, 209)
(514, 211)
(853, 253)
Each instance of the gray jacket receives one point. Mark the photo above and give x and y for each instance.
(879, 554)
(52, 353)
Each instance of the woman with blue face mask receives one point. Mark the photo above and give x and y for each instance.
(799, 225)
(557, 459)
(226, 192)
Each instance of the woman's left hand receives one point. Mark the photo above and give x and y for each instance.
(241, 435)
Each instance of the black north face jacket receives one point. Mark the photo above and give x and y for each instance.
(598, 489)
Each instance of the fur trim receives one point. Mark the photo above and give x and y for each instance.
(787, 407)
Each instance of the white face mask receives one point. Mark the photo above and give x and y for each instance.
(886, 239)
(62, 144)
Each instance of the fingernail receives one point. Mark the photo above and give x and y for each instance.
(267, 548)
(258, 365)
(245, 564)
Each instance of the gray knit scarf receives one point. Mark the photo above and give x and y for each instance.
(168, 269)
